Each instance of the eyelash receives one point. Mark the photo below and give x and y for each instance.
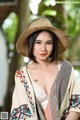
(49, 43)
(38, 42)
(46, 43)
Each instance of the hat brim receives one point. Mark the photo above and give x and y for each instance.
(21, 44)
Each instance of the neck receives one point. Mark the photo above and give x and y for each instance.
(43, 64)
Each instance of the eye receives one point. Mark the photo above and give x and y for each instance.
(37, 42)
(49, 42)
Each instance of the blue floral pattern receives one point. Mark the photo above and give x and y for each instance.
(74, 102)
(20, 113)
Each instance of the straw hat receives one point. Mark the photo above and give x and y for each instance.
(41, 24)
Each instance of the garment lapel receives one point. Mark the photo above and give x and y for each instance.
(39, 111)
(59, 89)
(29, 92)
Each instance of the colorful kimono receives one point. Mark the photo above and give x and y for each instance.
(64, 96)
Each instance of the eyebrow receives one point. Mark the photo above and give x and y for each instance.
(46, 41)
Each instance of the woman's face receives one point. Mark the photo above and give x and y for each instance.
(43, 46)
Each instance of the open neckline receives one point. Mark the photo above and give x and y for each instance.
(34, 83)
(53, 82)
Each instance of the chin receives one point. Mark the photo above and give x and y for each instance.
(43, 59)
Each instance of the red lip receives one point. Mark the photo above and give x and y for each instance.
(43, 54)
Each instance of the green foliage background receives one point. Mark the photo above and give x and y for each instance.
(64, 16)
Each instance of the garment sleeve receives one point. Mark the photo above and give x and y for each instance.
(20, 108)
(75, 93)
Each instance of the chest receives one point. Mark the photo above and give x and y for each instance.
(44, 78)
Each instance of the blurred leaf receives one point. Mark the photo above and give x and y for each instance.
(49, 13)
(10, 27)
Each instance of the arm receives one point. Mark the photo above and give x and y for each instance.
(74, 112)
(20, 106)
(73, 116)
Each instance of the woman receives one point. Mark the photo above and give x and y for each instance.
(46, 89)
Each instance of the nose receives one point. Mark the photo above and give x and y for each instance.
(43, 47)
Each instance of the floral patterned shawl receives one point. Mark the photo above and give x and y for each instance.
(64, 96)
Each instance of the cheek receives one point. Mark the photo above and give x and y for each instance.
(35, 50)
(50, 48)
(50, 51)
